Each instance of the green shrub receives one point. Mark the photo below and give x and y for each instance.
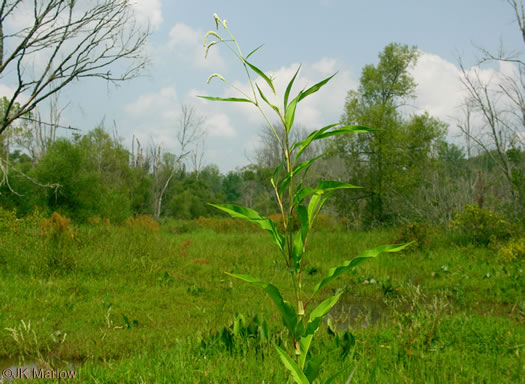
(60, 239)
(8, 221)
(481, 227)
(513, 251)
(417, 233)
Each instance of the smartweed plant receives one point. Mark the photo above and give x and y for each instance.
(296, 201)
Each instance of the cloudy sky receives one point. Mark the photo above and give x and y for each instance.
(324, 36)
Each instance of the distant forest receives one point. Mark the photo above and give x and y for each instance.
(407, 169)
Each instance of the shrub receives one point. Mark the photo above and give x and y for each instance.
(143, 223)
(512, 251)
(8, 221)
(480, 226)
(60, 242)
(417, 233)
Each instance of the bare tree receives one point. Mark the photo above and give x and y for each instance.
(166, 165)
(61, 41)
(497, 109)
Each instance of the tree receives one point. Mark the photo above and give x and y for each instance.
(166, 165)
(63, 41)
(390, 162)
(495, 114)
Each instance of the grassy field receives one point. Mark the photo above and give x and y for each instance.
(134, 303)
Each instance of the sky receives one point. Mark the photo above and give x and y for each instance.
(323, 36)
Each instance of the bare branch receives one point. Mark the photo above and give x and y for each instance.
(66, 41)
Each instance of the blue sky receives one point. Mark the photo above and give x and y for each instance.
(324, 36)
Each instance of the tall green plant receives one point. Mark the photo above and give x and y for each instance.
(294, 200)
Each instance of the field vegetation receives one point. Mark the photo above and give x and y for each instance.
(142, 302)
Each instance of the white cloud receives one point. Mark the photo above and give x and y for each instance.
(441, 93)
(187, 43)
(219, 125)
(149, 12)
(322, 108)
(154, 103)
(154, 116)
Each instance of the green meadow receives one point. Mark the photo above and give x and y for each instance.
(142, 303)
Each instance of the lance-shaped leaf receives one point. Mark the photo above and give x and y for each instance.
(325, 132)
(347, 265)
(313, 367)
(262, 74)
(305, 165)
(274, 107)
(253, 216)
(255, 50)
(291, 365)
(321, 195)
(232, 99)
(289, 112)
(314, 88)
(316, 318)
(287, 311)
(323, 187)
(300, 237)
(289, 88)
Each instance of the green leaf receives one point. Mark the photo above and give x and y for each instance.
(332, 378)
(274, 107)
(233, 99)
(314, 88)
(287, 311)
(291, 365)
(289, 113)
(316, 318)
(262, 74)
(253, 216)
(305, 165)
(313, 367)
(302, 216)
(347, 265)
(324, 132)
(298, 247)
(289, 88)
(255, 50)
(320, 196)
(323, 187)
(322, 309)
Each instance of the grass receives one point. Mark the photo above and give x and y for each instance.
(131, 303)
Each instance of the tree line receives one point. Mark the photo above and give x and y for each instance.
(406, 167)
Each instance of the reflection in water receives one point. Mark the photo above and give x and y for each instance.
(357, 312)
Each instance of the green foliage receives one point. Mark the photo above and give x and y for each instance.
(241, 335)
(393, 161)
(299, 206)
(60, 242)
(419, 233)
(513, 251)
(481, 227)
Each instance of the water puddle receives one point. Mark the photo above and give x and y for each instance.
(357, 312)
(12, 370)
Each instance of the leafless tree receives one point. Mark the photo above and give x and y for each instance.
(47, 44)
(497, 107)
(166, 165)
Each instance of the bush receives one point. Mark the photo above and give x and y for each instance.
(419, 233)
(513, 251)
(60, 242)
(481, 227)
(143, 223)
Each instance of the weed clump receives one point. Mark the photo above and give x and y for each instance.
(60, 241)
(513, 251)
(143, 223)
(481, 227)
(417, 233)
